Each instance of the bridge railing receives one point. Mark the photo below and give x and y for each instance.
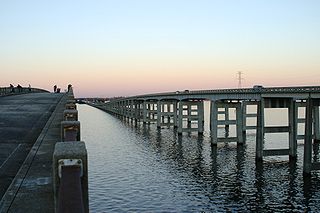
(253, 90)
(16, 90)
(70, 167)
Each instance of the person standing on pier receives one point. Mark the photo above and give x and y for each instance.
(12, 88)
(55, 88)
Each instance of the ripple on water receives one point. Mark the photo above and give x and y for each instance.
(141, 169)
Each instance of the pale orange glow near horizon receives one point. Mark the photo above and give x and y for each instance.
(107, 48)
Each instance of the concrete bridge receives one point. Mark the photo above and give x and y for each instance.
(40, 135)
(33, 127)
(184, 110)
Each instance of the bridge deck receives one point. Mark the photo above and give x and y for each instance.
(22, 119)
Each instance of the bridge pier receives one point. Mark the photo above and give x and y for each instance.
(251, 115)
(215, 121)
(312, 120)
(288, 103)
(191, 113)
(316, 124)
(260, 130)
(167, 113)
(150, 110)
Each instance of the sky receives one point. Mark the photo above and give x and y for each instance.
(108, 48)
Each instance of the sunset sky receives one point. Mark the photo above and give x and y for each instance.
(129, 47)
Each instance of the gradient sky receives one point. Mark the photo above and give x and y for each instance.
(129, 47)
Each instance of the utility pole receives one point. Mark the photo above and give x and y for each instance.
(239, 77)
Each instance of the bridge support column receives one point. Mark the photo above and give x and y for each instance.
(260, 130)
(307, 157)
(144, 113)
(167, 113)
(227, 119)
(226, 122)
(316, 124)
(239, 118)
(214, 122)
(191, 113)
(180, 118)
(292, 130)
(159, 113)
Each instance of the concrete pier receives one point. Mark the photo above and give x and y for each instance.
(216, 120)
(191, 116)
(27, 186)
(291, 128)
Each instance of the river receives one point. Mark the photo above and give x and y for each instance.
(143, 169)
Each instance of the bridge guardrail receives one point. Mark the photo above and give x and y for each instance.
(70, 164)
(16, 90)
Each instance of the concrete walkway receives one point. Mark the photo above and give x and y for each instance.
(29, 129)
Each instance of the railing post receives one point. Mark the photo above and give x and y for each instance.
(70, 115)
(70, 159)
(70, 131)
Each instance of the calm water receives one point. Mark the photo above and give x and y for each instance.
(140, 169)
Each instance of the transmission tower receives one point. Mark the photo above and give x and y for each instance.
(239, 77)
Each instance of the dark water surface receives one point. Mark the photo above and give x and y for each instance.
(142, 169)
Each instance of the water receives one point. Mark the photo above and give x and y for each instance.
(141, 169)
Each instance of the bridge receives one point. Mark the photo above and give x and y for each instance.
(42, 156)
(184, 110)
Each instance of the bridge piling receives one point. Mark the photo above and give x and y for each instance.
(316, 124)
(307, 157)
(214, 122)
(260, 130)
(226, 122)
(191, 113)
(292, 129)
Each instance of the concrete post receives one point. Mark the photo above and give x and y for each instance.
(188, 104)
(307, 157)
(71, 106)
(239, 121)
(144, 112)
(159, 116)
(70, 115)
(292, 130)
(200, 117)
(72, 151)
(214, 122)
(316, 125)
(244, 119)
(260, 130)
(180, 117)
(70, 131)
(175, 116)
(226, 118)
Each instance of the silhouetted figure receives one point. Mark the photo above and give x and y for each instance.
(69, 87)
(12, 88)
(29, 88)
(58, 90)
(19, 87)
(55, 88)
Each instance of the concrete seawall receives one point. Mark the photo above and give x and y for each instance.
(31, 188)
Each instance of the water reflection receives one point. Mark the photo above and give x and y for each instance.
(138, 168)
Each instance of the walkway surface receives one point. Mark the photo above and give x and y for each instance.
(29, 129)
